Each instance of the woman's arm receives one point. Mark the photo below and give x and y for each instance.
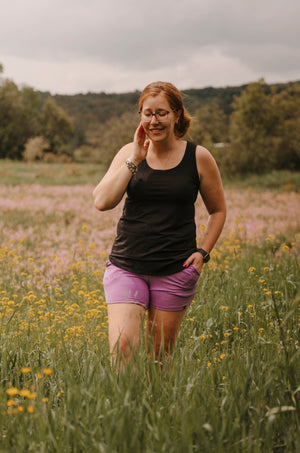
(212, 193)
(110, 190)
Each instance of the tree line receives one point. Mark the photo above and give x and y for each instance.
(251, 128)
(32, 127)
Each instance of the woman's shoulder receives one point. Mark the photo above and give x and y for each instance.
(123, 153)
(126, 149)
(120, 157)
(201, 151)
(203, 154)
(205, 160)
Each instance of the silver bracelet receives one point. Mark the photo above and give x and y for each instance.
(131, 166)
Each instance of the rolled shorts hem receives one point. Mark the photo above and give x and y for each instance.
(113, 302)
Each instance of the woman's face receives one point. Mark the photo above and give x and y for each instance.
(160, 126)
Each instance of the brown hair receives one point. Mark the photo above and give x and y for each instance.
(175, 100)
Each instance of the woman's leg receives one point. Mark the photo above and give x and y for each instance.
(124, 328)
(127, 297)
(162, 330)
(170, 296)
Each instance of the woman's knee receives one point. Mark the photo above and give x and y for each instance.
(163, 328)
(124, 348)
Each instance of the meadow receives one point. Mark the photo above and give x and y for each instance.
(233, 382)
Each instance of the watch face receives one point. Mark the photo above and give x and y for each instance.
(206, 256)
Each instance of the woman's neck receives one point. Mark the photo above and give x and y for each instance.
(163, 158)
(165, 147)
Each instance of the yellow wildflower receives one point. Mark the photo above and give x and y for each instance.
(202, 228)
(251, 269)
(25, 369)
(25, 393)
(270, 238)
(13, 391)
(31, 396)
(47, 371)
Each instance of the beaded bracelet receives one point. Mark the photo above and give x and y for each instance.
(131, 166)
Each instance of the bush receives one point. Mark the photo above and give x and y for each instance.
(50, 158)
(35, 148)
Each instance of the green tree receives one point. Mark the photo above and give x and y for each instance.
(110, 136)
(252, 131)
(286, 105)
(19, 118)
(57, 127)
(209, 125)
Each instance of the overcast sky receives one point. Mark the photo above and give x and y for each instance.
(76, 46)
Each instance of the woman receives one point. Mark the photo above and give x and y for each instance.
(154, 264)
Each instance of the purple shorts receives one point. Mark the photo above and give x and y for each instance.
(169, 293)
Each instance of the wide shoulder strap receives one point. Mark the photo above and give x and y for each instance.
(191, 159)
(191, 147)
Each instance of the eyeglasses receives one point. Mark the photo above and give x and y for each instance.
(160, 115)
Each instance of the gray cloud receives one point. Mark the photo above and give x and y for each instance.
(134, 38)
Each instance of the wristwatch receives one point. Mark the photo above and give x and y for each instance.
(206, 255)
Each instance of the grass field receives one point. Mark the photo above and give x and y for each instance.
(233, 383)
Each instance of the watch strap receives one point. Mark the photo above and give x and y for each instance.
(205, 254)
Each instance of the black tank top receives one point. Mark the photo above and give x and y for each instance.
(157, 230)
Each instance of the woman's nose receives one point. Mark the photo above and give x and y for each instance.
(153, 118)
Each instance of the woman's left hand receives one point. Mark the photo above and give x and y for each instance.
(196, 259)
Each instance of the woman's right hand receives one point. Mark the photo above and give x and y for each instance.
(140, 145)
(110, 190)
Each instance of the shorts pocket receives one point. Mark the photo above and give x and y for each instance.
(189, 276)
(194, 269)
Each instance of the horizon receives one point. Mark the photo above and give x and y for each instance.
(3, 78)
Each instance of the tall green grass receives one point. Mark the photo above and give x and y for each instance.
(232, 384)
(279, 180)
(18, 172)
